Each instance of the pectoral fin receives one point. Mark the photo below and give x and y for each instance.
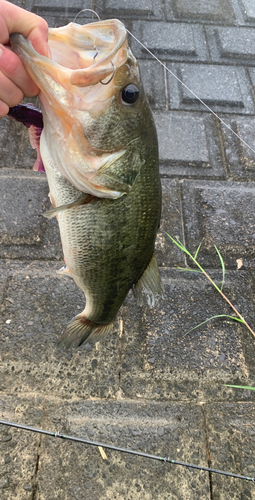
(83, 200)
(148, 290)
(118, 175)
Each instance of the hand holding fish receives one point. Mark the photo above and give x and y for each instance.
(15, 83)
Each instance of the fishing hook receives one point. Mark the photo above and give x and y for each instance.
(114, 69)
(94, 58)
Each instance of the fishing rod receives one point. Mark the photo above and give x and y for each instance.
(124, 450)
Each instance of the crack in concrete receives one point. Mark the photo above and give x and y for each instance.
(207, 451)
(34, 477)
(6, 287)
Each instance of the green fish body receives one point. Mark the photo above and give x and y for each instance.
(100, 153)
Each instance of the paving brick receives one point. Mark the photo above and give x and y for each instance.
(23, 230)
(69, 470)
(231, 447)
(150, 359)
(249, 10)
(15, 148)
(18, 449)
(223, 88)
(222, 214)
(154, 83)
(61, 12)
(171, 223)
(20, 210)
(240, 159)
(160, 362)
(188, 145)
(232, 44)
(145, 9)
(3, 284)
(209, 10)
(170, 42)
(41, 305)
(61, 8)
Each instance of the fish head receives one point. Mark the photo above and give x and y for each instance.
(94, 107)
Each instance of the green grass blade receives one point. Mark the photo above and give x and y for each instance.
(240, 387)
(213, 317)
(196, 254)
(237, 319)
(222, 265)
(178, 244)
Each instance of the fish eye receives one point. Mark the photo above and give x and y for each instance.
(130, 94)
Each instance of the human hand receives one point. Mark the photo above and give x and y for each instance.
(15, 83)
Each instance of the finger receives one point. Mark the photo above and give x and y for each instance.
(14, 19)
(9, 92)
(4, 109)
(13, 69)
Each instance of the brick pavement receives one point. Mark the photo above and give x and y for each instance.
(147, 387)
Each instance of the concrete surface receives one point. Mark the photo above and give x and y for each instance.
(148, 386)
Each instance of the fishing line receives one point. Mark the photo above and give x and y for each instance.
(124, 450)
(84, 10)
(191, 91)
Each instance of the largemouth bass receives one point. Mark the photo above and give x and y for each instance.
(99, 149)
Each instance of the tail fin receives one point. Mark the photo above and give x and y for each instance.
(81, 329)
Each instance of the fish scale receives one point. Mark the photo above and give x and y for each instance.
(122, 254)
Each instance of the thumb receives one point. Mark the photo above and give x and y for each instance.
(28, 24)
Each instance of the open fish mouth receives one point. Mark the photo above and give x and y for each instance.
(81, 56)
(79, 85)
(90, 51)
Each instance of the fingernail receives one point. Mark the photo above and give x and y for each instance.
(1, 51)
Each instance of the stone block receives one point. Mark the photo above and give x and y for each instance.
(222, 88)
(231, 447)
(162, 361)
(178, 41)
(171, 223)
(188, 145)
(15, 148)
(209, 10)
(18, 449)
(23, 230)
(145, 9)
(249, 10)
(3, 284)
(61, 12)
(240, 159)
(148, 356)
(231, 45)
(154, 83)
(71, 470)
(40, 304)
(221, 214)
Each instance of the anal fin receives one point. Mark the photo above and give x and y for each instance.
(149, 289)
(64, 271)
